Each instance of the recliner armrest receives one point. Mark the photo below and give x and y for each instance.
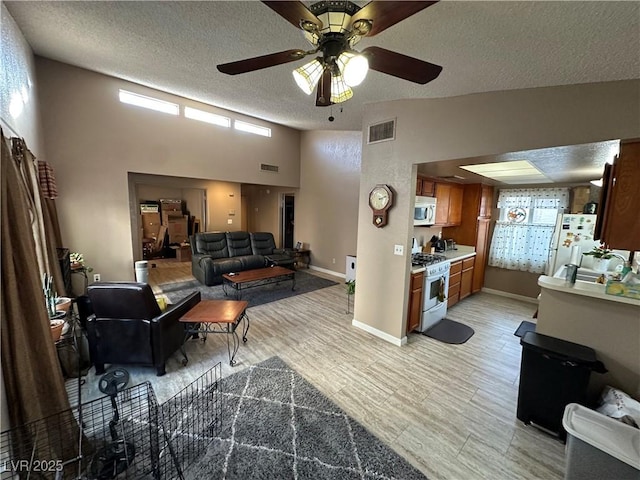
(281, 251)
(179, 309)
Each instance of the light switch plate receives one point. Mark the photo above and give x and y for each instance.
(398, 249)
(229, 221)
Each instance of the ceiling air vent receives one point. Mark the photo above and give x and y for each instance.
(265, 167)
(382, 132)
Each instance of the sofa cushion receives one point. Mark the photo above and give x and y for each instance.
(262, 243)
(239, 243)
(249, 262)
(213, 244)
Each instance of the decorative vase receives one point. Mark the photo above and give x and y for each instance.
(601, 265)
(63, 304)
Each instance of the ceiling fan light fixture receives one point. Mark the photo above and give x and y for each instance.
(340, 91)
(307, 76)
(354, 67)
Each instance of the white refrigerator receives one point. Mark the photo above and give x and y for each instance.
(572, 230)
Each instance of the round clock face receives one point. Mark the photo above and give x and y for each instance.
(379, 198)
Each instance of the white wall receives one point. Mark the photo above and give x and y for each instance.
(94, 142)
(442, 129)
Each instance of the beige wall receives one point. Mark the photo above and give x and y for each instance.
(93, 142)
(327, 205)
(512, 281)
(449, 128)
(264, 208)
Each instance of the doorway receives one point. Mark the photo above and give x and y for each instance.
(287, 219)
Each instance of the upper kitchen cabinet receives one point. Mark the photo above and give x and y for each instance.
(618, 224)
(449, 203)
(474, 227)
(425, 187)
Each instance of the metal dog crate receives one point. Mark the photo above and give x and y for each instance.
(152, 441)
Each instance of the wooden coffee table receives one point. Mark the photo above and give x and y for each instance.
(216, 316)
(256, 278)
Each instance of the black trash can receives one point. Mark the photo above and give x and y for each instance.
(553, 373)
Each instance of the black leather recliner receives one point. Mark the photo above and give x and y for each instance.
(263, 243)
(127, 326)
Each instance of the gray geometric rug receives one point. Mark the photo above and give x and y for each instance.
(278, 426)
(305, 282)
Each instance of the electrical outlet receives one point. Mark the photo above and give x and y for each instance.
(229, 221)
(96, 277)
(333, 260)
(398, 249)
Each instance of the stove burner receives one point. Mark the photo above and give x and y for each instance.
(425, 259)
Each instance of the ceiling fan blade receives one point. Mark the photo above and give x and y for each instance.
(323, 94)
(385, 14)
(294, 12)
(257, 63)
(401, 66)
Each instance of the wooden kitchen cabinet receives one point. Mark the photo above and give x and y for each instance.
(474, 227)
(449, 203)
(455, 274)
(425, 186)
(414, 313)
(466, 277)
(617, 224)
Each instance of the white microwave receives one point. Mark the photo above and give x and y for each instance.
(424, 211)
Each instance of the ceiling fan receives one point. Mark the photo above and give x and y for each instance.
(334, 27)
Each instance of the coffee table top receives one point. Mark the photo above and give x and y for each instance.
(258, 274)
(215, 311)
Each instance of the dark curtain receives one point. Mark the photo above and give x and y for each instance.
(34, 384)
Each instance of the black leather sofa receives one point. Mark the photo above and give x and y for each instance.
(127, 326)
(215, 253)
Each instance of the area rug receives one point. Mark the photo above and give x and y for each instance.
(449, 331)
(525, 327)
(276, 425)
(305, 283)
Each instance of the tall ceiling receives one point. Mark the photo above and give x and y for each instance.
(482, 46)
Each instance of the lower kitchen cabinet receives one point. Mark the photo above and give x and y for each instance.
(455, 273)
(415, 301)
(460, 280)
(466, 278)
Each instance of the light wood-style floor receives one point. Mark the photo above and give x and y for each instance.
(450, 410)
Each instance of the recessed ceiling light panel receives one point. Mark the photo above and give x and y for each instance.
(515, 172)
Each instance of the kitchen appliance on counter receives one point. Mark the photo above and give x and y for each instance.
(438, 244)
(571, 231)
(450, 245)
(424, 211)
(435, 288)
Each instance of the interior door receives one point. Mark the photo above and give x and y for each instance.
(287, 218)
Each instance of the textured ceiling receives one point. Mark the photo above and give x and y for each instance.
(482, 46)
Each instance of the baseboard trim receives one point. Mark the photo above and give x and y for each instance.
(398, 342)
(328, 272)
(510, 295)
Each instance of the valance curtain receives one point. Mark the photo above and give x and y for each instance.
(34, 384)
(534, 198)
(525, 246)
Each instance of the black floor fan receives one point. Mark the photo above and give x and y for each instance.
(116, 456)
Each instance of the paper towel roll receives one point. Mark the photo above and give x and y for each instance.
(576, 255)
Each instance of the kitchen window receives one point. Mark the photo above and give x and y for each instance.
(522, 236)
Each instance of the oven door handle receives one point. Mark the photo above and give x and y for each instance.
(441, 293)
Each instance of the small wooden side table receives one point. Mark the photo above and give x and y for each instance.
(300, 254)
(216, 316)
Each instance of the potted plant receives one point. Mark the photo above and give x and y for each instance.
(77, 262)
(601, 257)
(57, 307)
(351, 289)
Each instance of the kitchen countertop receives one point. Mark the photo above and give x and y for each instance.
(463, 251)
(587, 289)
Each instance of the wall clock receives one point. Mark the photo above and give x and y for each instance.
(380, 201)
